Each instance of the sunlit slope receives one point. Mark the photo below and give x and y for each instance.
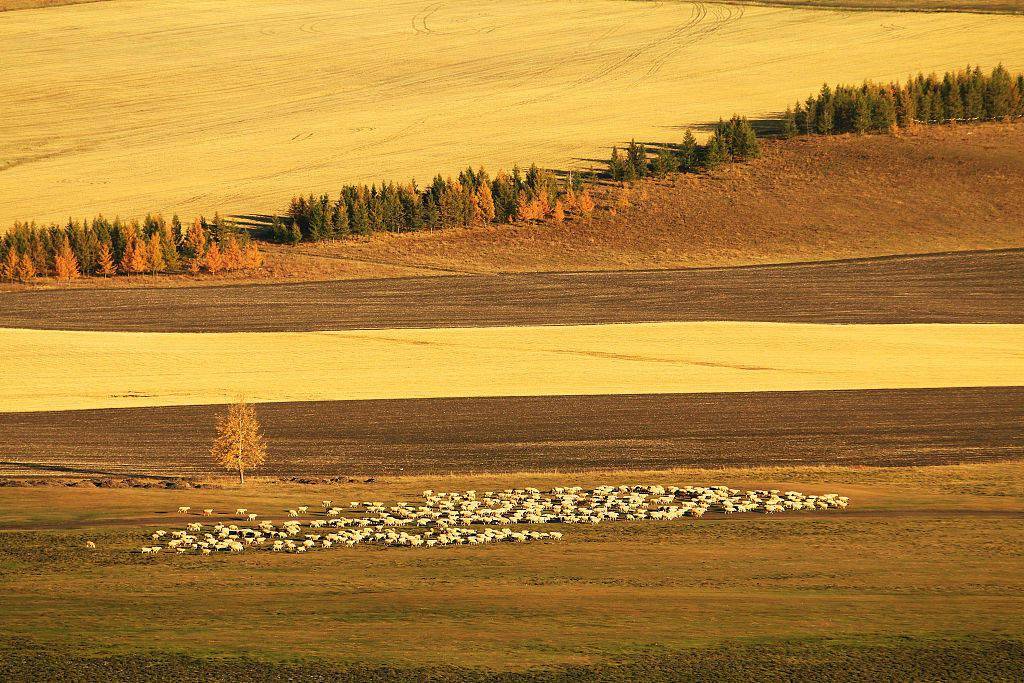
(196, 105)
(48, 370)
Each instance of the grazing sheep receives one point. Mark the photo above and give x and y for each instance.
(252, 516)
(208, 512)
(461, 518)
(183, 509)
(241, 511)
(90, 544)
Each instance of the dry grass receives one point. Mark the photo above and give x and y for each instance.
(924, 552)
(54, 370)
(236, 105)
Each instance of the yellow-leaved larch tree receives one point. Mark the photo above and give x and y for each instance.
(240, 444)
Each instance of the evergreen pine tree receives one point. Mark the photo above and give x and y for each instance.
(665, 162)
(789, 122)
(861, 122)
(636, 159)
(689, 157)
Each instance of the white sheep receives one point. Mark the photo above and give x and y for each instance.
(183, 509)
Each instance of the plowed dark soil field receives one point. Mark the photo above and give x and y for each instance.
(902, 427)
(958, 287)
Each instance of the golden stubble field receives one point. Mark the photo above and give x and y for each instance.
(62, 370)
(197, 105)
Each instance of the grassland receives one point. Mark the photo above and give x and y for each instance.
(215, 105)
(53, 370)
(925, 556)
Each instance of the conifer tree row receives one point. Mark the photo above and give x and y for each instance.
(103, 248)
(958, 96)
(732, 140)
(473, 199)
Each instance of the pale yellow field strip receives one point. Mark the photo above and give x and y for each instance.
(46, 370)
(236, 105)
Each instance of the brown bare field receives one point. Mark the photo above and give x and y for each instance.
(924, 555)
(560, 433)
(237, 105)
(979, 287)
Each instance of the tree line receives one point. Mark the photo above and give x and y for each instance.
(732, 140)
(472, 199)
(104, 248)
(958, 96)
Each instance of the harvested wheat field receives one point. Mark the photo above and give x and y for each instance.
(52, 370)
(197, 105)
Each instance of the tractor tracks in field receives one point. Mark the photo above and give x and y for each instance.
(692, 31)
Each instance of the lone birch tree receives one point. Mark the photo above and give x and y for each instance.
(240, 444)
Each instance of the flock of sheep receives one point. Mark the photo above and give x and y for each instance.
(443, 519)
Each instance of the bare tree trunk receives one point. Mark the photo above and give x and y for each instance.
(241, 475)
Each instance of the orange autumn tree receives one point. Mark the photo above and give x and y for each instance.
(234, 256)
(105, 260)
(155, 254)
(26, 268)
(214, 260)
(240, 444)
(9, 268)
(195, 242)
(65, 264)
(136, 258)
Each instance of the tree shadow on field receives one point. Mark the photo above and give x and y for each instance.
(256, 224)
(769, 127)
